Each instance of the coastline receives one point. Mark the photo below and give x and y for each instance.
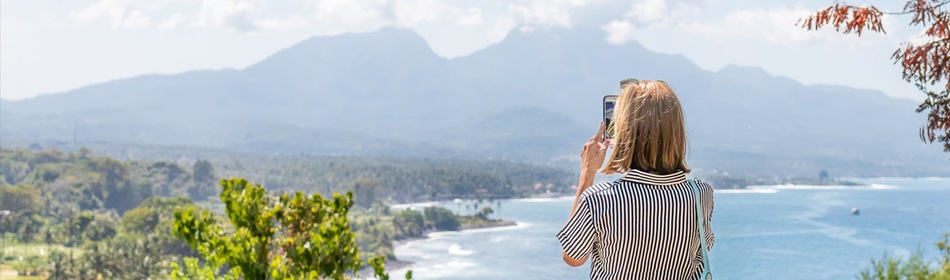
(490, 224)
(499, 223)
(815, 215)
(402, 265)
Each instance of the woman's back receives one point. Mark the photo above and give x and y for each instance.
(640, 226)
(644, 225)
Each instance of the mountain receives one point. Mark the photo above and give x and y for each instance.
(535, 97)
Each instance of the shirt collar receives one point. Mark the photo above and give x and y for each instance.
(638, 176)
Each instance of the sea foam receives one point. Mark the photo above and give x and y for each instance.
(456, 249)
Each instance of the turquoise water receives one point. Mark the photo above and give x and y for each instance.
(769, 233)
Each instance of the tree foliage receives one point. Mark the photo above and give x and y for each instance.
(484, 213)
(441, 219)
(21, 198)
(75, 202)
(204, 180)
(399, 180)
(364, 192)
(913, 268)
(288, 237)
(409, 223)
(924, 65)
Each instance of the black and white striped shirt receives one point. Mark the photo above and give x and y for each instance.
(641, 226)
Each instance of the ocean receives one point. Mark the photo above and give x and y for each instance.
(767, 232)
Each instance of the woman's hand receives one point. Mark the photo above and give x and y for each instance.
(592, 157)
(594, 152)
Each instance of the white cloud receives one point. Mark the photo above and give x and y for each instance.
(648, 11)
(619, 32)
(663, 12)
(777, 26)
(236, 15)
(114, 10)
(121, 14)
(350, 13)
(543, 13)
(286, 23)
(172, 22)
(409, 13)
(472, 16)
(233, 14)
(501, 28)
(135, 20)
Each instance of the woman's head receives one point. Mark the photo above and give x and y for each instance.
(650, 131)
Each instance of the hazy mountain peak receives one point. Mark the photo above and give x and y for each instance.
(388, 43)
(536, 94)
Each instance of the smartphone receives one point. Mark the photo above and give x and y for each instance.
(609, 102)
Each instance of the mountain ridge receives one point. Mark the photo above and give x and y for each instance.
(398, 96)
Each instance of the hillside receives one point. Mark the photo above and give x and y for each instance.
(533, 97)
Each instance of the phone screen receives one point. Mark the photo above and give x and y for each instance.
(609, 102)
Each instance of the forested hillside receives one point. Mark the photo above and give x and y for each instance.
(95, 182)
(76, 215)
(399, 180)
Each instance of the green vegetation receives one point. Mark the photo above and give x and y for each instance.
(81, 216)
(441, 218)
(914, 268)
(397, 180)
(291, 237)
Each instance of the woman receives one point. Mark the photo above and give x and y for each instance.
(643, 225)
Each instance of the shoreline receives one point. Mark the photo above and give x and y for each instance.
(766, 188)
(500, 223)
(402, 265)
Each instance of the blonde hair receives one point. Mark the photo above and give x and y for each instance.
(650, 130)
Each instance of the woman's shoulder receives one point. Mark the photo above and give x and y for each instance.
(596, 189)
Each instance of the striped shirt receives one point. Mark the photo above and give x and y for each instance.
(641, 226)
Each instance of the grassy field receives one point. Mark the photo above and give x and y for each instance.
(33, 249)
(14, 255)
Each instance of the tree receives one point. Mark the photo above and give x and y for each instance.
(138, 257)
(295, 236)
(364, 192)
(822, 177)
(441, 218)
(203, 174)
(21, 205)
(483, 214)
(154, 219)
(408, 223)
(59, 267)
(20, 198)
(99, 262)
(925, 65)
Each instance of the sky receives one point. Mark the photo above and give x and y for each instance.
(52, 46)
